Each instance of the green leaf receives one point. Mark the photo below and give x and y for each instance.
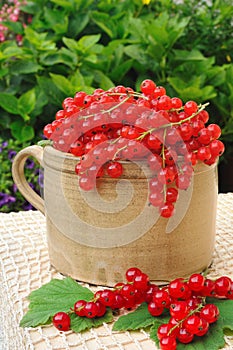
(15, 27)
(9, 103)
(119, 72)
(103, 81)
(55, 296)
(103, 20)
(25, 67)
(87, 41)
(140, 318)
(78, 23)
(21, 131)
(213, 340)
(50, 89)
(64, 3)
(225, 310)
(62, 84)
(26, 102)
(80, 324)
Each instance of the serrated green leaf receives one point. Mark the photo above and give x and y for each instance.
(80, 324)
(214, 339)
(9, 103)
(226, 312)
(55, 296)
(140, 318)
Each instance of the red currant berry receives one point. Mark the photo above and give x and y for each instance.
(203, 328)
(79, 307)
(192, 324)
(114, 169)
(141, 282)
(210, 313)
(177, 288)
(165, 330)
(166, 210)
(215, 131)
(106, 297)
(167, 343)
(222, 285)
(171, 194)
(61, 320)
(131, 273)
(86, 183)
(196, 282)
(179, 309)
(184, 336)
(147, 87)
(90, 309)
(176, 102)
(216, 148)
(154, 309)
(190, 107)
(101, 309)
(161, 298)
(119, 301)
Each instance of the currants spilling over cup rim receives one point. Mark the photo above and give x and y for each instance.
(108, 127)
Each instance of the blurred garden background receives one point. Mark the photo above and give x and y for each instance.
(50, 49)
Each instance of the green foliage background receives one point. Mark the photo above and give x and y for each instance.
(73, 45)
(76, 45)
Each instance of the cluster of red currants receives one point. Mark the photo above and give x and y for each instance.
(190, 314)
(120, 124)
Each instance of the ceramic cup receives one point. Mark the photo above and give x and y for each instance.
(96, 236)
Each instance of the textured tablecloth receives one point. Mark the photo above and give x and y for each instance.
(25, 266)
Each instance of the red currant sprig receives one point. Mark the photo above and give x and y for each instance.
(106, 127)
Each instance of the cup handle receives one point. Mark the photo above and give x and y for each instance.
(19, 175)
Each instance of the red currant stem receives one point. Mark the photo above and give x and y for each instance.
(163, 148)
(198, 308)
(163, 162)
(118, 150)
(169, 125)
(200, 108)
(116, 106)
(44, 143)
(106, 111)
(129, 94)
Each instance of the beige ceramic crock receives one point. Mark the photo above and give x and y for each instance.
(96, 236)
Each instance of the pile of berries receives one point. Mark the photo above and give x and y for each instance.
(106, 127)
(190, 314)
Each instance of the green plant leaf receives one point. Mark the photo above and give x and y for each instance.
(225, 310)
(213, 340)
(25, 67)
(103, 81)
(21, 131)
(62, 84)
(104, 21)
(87, 41)
(80, 324)
(140, 318)
(9, 103)
(26, 102)
(15, 27)
(55, 296)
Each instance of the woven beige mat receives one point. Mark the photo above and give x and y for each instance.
(25, 266)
